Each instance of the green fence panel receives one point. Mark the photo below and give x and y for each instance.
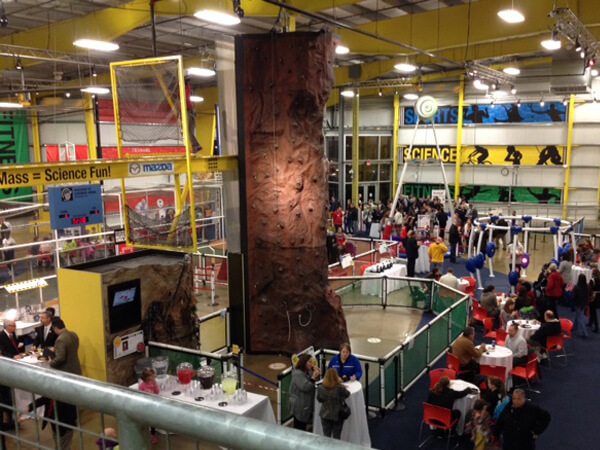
(286, 382)
(415, 358)
(390, 373)
(438, 337)
(459, 316)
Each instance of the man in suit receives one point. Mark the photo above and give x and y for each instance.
(412, 253)
(10, 347)
(44, 334)
(66, 360)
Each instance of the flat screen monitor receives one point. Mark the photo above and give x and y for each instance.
(124, 305)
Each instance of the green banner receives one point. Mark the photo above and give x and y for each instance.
(14, 147)
(491, 194)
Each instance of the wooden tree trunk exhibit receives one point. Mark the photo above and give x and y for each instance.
(287, 80)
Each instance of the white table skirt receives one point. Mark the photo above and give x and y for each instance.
(356, 428)
(24, 398)
(578, 270)
(374, 287)
(501, 356)
(524, 330)
(465, 404)
(257, 407)
(422, 264)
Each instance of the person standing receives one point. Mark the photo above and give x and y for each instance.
(10, 347)
(412, 253)
(436, 253)
(65, 360)
(454, 238)
(302, 391)
(594, 299)
(521, 423)
(331, 393)
(44, 334)
(338, 218)
(442, 220)
(581, 300)
(554, 289)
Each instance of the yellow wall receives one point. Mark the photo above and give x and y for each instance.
(81, 309)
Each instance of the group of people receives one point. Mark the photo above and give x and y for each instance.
(60, 347)
(331, 391)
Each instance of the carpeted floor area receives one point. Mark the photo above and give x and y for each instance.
(570, 394)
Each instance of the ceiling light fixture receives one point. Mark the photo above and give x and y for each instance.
(565, 102)
(217, 17)
(582, 54)
(342, 50)
(205, 72)
(411, 96)
(101, 46)
(594, 72)
(349, 93)
(10, 105)
(19, 65)
(405, 67)
(578, 47)
(96, 90)
(478, 84)
(519, 103)
(513, 90)
(542, 102)
(511, 70)
(196, 99)
(94, 73)
(553, 43)
(380, 93)
(68, 94)
(511, 15)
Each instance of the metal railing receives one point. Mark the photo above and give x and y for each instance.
(213, 330)
(136, 411)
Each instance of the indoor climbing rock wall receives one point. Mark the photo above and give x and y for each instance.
(285, 83)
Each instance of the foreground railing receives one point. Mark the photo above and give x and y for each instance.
(135, 411)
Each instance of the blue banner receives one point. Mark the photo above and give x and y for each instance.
(491, 114)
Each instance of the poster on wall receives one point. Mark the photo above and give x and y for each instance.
(508, 113)
(505, 155)
(491, 194)
(14, 147)
(439, 193)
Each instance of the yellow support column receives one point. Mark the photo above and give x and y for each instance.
(395, 141)
(355, 147)
(461, 100)
(569, 156)
(90, 126)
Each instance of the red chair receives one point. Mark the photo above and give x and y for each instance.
(435, 375)
(472, 287)
(529, 372)
(567, 328)
(493, 371)
(479, 313)
(488, 324)
(437, 417)
(501, 335)
(454, 364)
(556, 344)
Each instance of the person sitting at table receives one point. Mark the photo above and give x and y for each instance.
(495, 393)
(468, 355)
(443, 396)
(550, 327)
(449, 280)
(523, 300)
(347, 365)
(436, 253)
(517, 345)
(508, 312)
(587, 255)
(302, 391)
(331, 393)
(435, 274)
(44, 334)
(489, 302)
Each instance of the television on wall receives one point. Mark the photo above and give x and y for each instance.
(124, 305)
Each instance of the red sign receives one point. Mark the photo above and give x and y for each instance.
(113, 152)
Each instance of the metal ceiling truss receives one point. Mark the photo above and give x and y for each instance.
(476, 70)
(40, 54)
(568, 25)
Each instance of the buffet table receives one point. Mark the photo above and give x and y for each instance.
(374, 287)
(500, 356)
(356, 429)
(578, 270)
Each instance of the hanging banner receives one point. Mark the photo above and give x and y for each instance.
(510, 155)
(491, 194)
(14, 147)
(493, 114)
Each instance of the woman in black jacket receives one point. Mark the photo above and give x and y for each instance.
(302, 391)
(581, 300)
(442, 395)
(594, 299)
(331, 393)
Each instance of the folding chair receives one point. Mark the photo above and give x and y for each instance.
(437, 417)
(435, 375)
(529, 372)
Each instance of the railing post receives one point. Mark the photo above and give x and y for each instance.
(382, 385)
(384, 292)
(428, 344)
(131, 434)
(279, 388)
(367, 388)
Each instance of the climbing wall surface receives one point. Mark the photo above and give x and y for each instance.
(287, 81)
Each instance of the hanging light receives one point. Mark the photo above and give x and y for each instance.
(92, 44)
(204, 72)
(342, 50)
(217, 17)
(405, 67)
(578, 46)
(347, 93)
(511, 70)
(511, 15)
(513, 90)
(95, 90)
(519, 103)
(411, 96)
(542, 102)
(565, 102)
(478, 84)
(19, 65)
(493, 104)
(553, 43)
(591, 62)
(594, 72)
(94, 73)
(380, 93)
(196, 99)
(68, 94)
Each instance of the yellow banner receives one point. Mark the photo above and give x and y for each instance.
(510, 155)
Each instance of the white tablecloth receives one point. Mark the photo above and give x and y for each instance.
(356, 429)
(465, 404)
(577, 270)
(525, 329)
(373, 287)
(463, 285)
(422, 264)
(501, 356)
(24, 398)
(257, 406)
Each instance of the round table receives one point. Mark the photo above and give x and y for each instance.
(422, 263)
(526, 327)
(578, 270)
(500, 356)
(465, 404)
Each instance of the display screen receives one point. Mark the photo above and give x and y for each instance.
(79, 220)
(124, 305)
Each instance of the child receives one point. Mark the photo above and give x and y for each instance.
(149, 385)
(480, 427)
(110, 442)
